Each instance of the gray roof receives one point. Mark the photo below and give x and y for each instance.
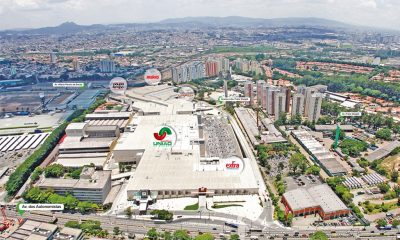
(383, 151)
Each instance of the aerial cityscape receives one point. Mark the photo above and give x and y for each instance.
(199, 126)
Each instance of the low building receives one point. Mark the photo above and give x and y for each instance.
(319, 154)
(92, 186)
(318, 199)
(33, 230)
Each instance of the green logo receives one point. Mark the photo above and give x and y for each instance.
(19, 210)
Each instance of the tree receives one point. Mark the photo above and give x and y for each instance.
(384, 133)
(381, 222)
(116, 231)
(128, 212)
(234, 237)
(181, 235)
(162, 214)
(282, 119)
(85, 207)
(314, 170)
(319, 235)
(54, 171)
(395, 223)
(36, 174)
(384, 187)
(297, 161)
(152, 234)
(395, 176)
(204, 236)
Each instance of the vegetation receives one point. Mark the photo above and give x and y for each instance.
(36, 174)
(384, 133)
(162, 214)
(54, 171)
(353, 147)
(23, 171)
(372, 208)
(319, 235)
(314, 170)
(192, 207)
(35, 195)
(298, 162)
(382, 223)
(89, 228)
(216, 206)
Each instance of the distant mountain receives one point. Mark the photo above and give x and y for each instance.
(190, 22)
(261, 22)
(64, 28)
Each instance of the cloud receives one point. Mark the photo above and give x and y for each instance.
(30, 13)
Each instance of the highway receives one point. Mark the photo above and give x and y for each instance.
(196, 225)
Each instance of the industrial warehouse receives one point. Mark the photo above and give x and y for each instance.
(323, 157)
(318, 199)
(177, 169)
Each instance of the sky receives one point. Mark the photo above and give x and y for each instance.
(42, 13)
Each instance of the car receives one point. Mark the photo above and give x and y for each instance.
(214, 228)
(179, 216)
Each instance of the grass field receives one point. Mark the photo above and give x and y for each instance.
(391, 162)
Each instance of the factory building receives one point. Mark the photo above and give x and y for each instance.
(318, 199)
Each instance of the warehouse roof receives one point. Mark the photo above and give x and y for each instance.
(299, 199)
(383, 151)
(326, 198)
(320, 195)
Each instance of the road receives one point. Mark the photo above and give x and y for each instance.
(196, 225)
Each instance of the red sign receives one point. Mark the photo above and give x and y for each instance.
(232, 165)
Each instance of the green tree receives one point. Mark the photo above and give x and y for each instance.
(395, 223)
(314, 170)
(234, 237)
(152, 234)
(384, 187)
(381, 222)
(36, 174)
(384, 133)
(395, 176)
(319, 235)
(181, 235)
(162, 214)
(297, 161)
(204, 236)
(116, 231)
(129, 212)
(54, 171)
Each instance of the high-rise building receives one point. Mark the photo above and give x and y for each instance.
(313, 109)
(287, 92)
(211, 68)
(107, 66)
(248, 92)
(260, 85)
(53, 58)
(279, 103)
(298, 104)
(75, 65)
(188, 72)
(268, 98)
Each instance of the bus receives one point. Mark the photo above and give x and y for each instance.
(233, 225)
(255, 230)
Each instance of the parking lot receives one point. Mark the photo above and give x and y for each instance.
(303, 181)
(220, 140)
